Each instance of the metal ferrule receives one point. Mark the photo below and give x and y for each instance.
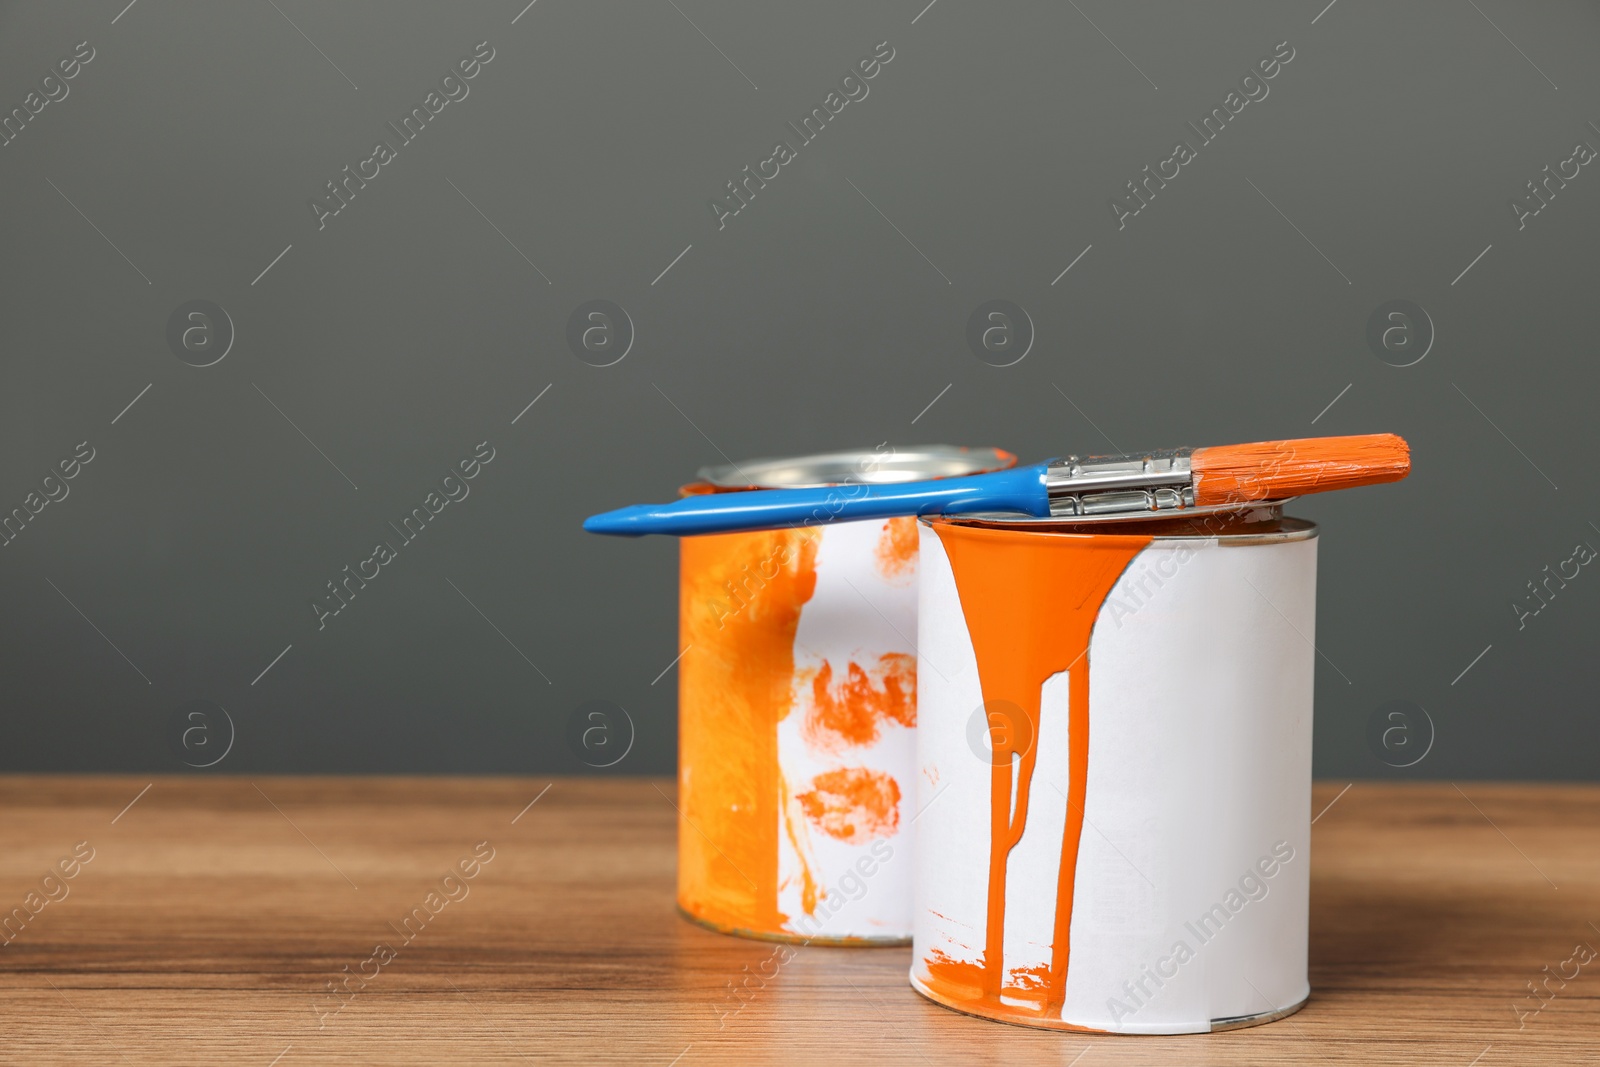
(1109, 485)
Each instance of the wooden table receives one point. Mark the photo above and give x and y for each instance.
(215, 913)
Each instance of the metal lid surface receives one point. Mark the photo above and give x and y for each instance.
(866, 465)
(1255, 511)
(1260, 523)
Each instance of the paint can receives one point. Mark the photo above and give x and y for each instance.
(797, 698)
(1114, 749)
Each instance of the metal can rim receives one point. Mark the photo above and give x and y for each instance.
(853, 466)
(1287, 528)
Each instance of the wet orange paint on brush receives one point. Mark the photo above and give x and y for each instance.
(1030, 603)
(855, 711)
(1231, 474)
(854, 804)
(740, 600)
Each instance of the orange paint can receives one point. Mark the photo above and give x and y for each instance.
(1114, 755)
(797, 707)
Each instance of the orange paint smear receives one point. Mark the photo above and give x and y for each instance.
(854, 804)
(1028, 984)
(897, 550)
(1030, 601)
(957, 981)
(855, 711)
(739, 606)
(960, 985)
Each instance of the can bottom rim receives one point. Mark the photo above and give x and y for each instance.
(1234, 1022)
(793, 939)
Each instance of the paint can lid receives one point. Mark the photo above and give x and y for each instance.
(1262, 521)
(1255, 511)
(873, 466)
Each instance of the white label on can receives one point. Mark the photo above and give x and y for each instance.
(847, 750)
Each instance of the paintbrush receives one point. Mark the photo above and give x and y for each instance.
(1090, 487)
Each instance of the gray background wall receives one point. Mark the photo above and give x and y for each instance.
(378, 351)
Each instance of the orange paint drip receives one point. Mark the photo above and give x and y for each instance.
(739, 606)
(897, 550)
(794, 825)
(1030, 601)
(855, 711)
(857, 805)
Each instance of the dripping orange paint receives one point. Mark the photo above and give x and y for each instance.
(1030, 604)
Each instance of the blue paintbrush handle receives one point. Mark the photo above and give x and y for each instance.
(1021, 489)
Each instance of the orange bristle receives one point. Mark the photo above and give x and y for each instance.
(1271, 470)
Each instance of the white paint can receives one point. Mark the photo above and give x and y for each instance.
(1114, 752)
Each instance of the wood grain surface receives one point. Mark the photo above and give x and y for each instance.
(215, 913)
